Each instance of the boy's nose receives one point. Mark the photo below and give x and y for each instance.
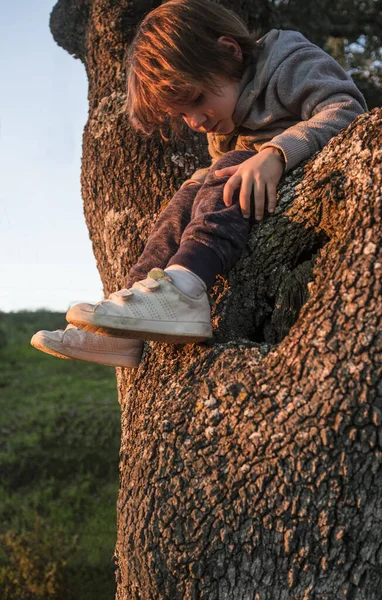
(196, 121)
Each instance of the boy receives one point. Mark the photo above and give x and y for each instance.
(265, 105)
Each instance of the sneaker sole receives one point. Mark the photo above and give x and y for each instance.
(62, 351)
(199, 331)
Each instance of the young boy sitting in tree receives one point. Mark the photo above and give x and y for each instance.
(265, 105)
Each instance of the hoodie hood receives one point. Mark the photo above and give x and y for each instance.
(257, 74)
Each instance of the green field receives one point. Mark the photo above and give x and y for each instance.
(59, 444)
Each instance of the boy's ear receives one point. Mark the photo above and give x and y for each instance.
(232, 46)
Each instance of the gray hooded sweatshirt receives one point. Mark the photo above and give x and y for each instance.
(293, 96)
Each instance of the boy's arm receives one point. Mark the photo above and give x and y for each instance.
(315, 87)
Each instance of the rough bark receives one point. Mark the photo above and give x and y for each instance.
(251, 466)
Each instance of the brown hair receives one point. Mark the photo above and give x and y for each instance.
(175, 51)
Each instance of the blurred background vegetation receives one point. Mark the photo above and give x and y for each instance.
(349, 30)
(59, 445)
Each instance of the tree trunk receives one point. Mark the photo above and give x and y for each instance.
(250, 466)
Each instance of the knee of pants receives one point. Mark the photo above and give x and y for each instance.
(229, 159)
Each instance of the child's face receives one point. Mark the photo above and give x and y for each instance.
(209, 111)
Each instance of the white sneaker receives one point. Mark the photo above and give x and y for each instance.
(81, 345)
(153, 309)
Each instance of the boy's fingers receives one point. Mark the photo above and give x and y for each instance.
(259, 201)
(229, 188)
(245, 198)
(226, 171)
(272, 198)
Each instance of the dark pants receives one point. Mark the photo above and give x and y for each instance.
(196, 229)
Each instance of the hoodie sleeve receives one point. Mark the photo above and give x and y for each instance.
(314, 87)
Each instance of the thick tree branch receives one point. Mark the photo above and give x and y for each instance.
(250, 467)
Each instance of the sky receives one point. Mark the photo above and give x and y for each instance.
(46, 255)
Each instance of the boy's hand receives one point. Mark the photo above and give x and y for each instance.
(260, 174)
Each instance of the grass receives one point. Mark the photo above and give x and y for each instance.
(59, 444)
